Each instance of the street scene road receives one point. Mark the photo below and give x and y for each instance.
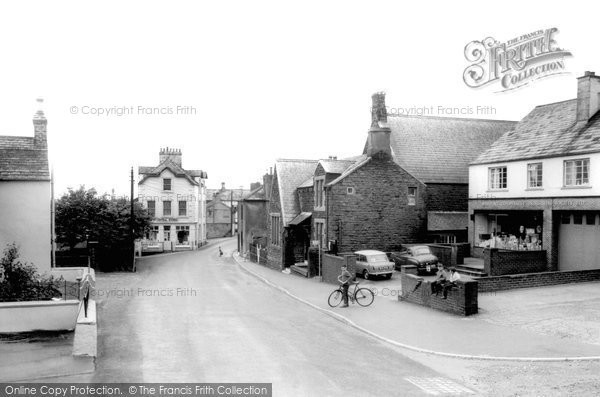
(227, 326)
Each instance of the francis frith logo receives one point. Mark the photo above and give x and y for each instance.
(516, 62)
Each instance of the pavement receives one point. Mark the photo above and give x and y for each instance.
(536, 324)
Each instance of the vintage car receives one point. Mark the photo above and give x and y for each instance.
(371, 263)
(418, 255)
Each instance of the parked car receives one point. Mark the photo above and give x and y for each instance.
(418, 255)
(373, 263)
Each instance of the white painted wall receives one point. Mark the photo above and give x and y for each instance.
(552, 179)
(25, 219)
(38, 316)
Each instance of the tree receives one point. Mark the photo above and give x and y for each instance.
(81, 213)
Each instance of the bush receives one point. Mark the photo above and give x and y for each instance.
(21, 281)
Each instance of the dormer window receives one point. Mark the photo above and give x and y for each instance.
(167, 184)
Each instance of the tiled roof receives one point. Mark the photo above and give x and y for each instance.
(307, 183)
(547, 131)
(290, 174)
(439, 149)
(21, 160)
(440, 220)
(174, 168)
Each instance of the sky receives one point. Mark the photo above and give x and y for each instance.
(238, 84)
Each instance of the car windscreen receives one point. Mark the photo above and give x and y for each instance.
(377, 258)
(421, 251)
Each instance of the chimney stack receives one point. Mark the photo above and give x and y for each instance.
(39, 126)
(267, 183)
(588, 96)
(378, 142)
(222, 186)
(170, 154)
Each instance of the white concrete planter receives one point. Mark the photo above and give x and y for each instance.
(38, 316)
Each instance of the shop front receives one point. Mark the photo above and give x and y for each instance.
(516, 230)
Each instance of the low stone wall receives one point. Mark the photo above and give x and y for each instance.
(513, 281)
(477, 252)
(498, 262)
(38, 316)
(461, 300)
(332, 266)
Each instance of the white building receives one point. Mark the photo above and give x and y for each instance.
(538, 186)
(176, 199)
(25, 195)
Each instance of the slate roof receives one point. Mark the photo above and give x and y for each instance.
(226, 194)
(21, 160)
(439, 149)
(358, 162)
(444, 220)
(331, 166)
(290, 175)
(547, 131)
(176, 169)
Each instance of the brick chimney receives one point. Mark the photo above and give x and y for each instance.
(170, 154)
(588, 96)
(267, 183)
(378, 142)
(39, 126)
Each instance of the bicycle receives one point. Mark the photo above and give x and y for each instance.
(362, 296)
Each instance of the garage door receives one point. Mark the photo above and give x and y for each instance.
(579, 241)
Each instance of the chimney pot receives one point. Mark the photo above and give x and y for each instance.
(378, 141)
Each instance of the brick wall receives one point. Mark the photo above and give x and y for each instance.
(498, 262)
(447, 197)
(461, 300)
(376, 216)
(332, 266)
(513, 281)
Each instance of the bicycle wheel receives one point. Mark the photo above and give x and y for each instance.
(335, 298)
(364, 296)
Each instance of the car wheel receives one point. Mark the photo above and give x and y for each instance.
(365, 274)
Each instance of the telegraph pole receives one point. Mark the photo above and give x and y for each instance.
(132, 223)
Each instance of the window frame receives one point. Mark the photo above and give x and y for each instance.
(319, 185)
(539, 175)
(275, 230)
(151, 208)
(412, 196)
(501, 178)
(170, 206)
(573, 162)
(180, 207)
(170, 181)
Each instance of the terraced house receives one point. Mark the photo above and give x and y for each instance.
(408, 186)
(176, 199)
(538, 187)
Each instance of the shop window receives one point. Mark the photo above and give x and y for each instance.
(183, 234)
(590, 218)
(576, 172)
(412, 195)
(565, 219)
(167, 184)
(577, 219)
(534, 175)
(152, 233)
(497, 178)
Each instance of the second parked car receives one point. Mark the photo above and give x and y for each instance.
(373, 263)
(419, 256)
